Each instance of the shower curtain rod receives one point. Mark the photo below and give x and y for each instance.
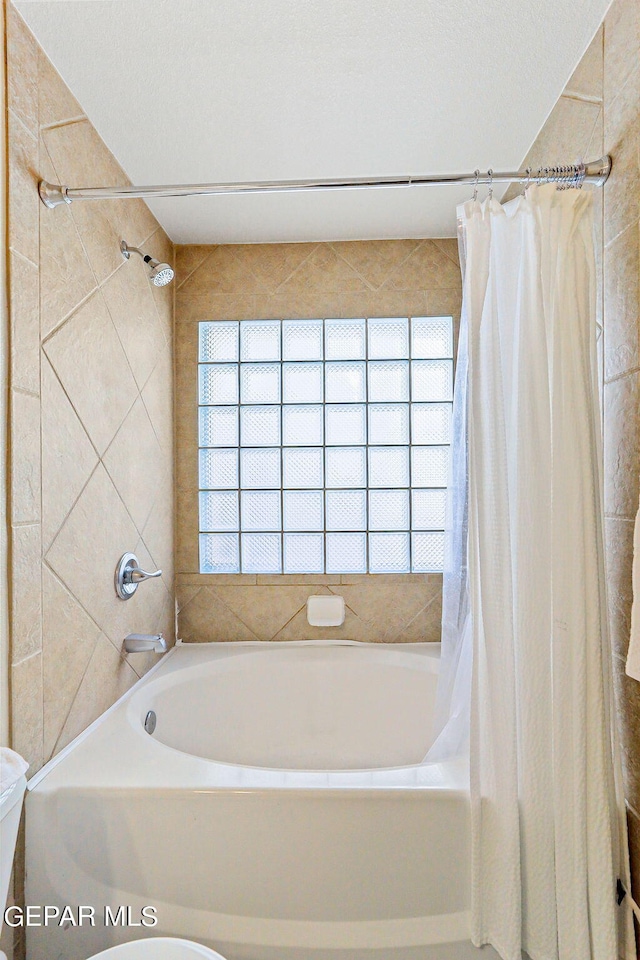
(571, 175)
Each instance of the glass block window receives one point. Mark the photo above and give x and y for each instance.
(324, 444)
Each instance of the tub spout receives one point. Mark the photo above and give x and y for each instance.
(143, 642)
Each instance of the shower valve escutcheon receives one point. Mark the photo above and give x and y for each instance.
(129, 576)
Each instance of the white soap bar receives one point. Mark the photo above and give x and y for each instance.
(325, 611)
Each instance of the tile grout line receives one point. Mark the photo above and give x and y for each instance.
(21, 256)
(633, 224)
(68, 514)
(314, 246)
(233, 612)
(25, 393)
(418, 614)
(57, 124)
(190, 600)
(620, 91)
(53, 573)
(96, 285)
(16, 116)
(214, 247)
(16, 663)
(581, 97)
(632, 809)
(419, 243)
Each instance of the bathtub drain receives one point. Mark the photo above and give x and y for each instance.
(150, 722)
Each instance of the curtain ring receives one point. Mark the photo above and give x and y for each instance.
(528, 180)
(490, 175)
(475, 185)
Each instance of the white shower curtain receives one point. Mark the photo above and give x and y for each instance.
(530, 636)
(451, 720)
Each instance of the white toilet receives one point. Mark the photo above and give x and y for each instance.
(154, 948)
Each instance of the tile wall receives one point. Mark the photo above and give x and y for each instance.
(91, 428)
(385, 278)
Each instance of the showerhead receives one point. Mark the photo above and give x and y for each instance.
(161, 273)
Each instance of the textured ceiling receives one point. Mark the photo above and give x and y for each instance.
(228, 90)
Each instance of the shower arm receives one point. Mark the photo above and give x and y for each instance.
(595, 172)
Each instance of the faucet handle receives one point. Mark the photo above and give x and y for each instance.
(136, 575)
(129, 575)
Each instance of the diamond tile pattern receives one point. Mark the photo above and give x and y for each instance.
(92, 437)
(324, 443)
(92, 367)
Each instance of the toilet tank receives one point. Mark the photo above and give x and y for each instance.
(10, 810)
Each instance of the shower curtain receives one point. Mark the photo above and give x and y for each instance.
(525, 645)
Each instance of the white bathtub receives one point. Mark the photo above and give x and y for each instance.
(280, 810)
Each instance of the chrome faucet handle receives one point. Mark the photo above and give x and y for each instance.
(136, 575)
(129, 576)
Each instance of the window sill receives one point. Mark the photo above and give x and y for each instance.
(282, 579)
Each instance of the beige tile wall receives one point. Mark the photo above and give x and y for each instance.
(600, 112)
(383, 278)
(91, 417)
(91, 456)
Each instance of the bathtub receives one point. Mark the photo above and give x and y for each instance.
(278, 811)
